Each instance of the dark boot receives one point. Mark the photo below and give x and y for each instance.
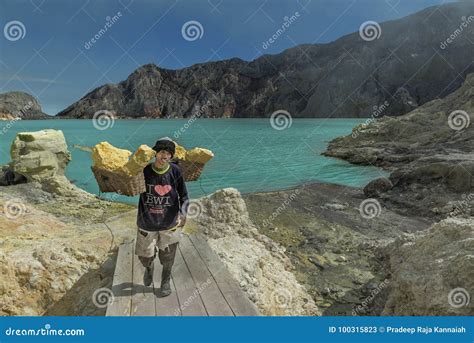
(167, 259)
(148, 275)
(165, 288)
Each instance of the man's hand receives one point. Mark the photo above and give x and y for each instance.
(181, 220)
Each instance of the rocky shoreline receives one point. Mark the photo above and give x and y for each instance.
(358, 264)
(428, 151)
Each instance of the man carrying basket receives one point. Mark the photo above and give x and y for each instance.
(162, 212)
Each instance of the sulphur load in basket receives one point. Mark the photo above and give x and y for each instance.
(117, 170)
(192, 161)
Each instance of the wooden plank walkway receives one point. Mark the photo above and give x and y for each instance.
(201, 285)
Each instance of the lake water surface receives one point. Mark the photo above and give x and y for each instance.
(250, 154)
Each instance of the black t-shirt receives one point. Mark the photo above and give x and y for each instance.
(165, 197)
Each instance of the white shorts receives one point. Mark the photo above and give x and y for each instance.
(148, 241)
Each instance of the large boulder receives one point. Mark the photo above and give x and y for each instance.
(259, 264)
(40, 155)
(433, 273)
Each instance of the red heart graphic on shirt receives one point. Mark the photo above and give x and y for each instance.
(162, 190)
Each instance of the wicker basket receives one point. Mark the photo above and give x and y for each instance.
(191, 170)
(133, 185)
(119, 183)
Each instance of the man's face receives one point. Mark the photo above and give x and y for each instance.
(162, 157)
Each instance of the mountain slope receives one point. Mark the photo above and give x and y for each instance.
(405, 67)
(21, 105)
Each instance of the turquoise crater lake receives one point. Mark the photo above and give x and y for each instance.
(250, 154)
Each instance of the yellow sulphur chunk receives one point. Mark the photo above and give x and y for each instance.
(139, 160)
(180, 152)
(199, 155)
(105, 155)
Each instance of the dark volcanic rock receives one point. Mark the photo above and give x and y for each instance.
(423, 136)
(377, 186)
(9, 177)
(20, 105)
(429, 150)
(404, 68)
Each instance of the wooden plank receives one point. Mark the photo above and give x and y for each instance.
(122, 282)
(229, 287)
(169, 305)
(143, 298)
(214, 301)
(188, 296)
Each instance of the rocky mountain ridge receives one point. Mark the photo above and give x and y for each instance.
(409, 64)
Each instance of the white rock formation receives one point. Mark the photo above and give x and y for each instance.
(40, 154)
(258, 263)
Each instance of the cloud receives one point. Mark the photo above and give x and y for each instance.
(30, 79)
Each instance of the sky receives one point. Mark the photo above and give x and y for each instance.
(48, 47)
